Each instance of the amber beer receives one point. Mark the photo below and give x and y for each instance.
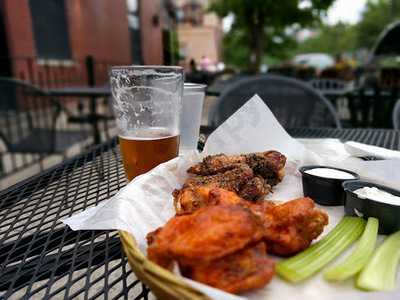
(141, 154)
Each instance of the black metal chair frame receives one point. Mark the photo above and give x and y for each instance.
(241, 84)
(55, 109)
(396, 115)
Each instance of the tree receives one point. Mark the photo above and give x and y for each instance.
(332, 39)
(260, 25)
(376, 16)
(347, 38)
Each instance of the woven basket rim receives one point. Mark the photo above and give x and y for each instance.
(163, 283)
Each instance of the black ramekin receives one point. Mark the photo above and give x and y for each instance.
(387, 214)
(324, 191)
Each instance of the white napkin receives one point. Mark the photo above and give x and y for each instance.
(358, 149)
(146, 202)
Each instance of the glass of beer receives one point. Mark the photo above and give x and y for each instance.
(147, 104)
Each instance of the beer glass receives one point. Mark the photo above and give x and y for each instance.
(147, 104)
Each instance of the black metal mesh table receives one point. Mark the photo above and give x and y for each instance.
(41, 258)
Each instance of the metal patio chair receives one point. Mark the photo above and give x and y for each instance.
(396, 115)
(28, 118)
(294, 103)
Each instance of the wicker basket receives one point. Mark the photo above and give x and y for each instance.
(164, 284)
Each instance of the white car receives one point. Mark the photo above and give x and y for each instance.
(319, 61)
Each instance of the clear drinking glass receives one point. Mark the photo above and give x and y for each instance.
(147, 103)
(192, 108)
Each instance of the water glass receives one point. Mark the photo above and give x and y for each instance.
(192, 108)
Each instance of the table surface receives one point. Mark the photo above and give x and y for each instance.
(41, 258)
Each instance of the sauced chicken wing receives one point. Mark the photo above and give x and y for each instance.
(290, 227)
(207, 234)
(244, 270)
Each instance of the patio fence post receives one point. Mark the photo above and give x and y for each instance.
(91, 80)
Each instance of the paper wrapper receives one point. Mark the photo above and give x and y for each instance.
(146, 202)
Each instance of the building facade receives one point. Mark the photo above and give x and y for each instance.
(47, 42)
(199, 33)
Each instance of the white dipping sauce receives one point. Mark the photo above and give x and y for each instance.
(378, 195)
(329, 173)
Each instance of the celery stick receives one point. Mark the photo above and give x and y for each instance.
(359, 258)
(311, 260)
(380, 272)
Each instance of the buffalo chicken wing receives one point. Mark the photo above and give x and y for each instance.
(244, 270)
(209, 233)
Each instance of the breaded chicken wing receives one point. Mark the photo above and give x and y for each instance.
(207, 234)
(214, 164)
(191, 199)
(239, 178)
(232, 179)
(244, 270)
(269, 165)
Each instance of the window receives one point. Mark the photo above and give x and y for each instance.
(50, 29)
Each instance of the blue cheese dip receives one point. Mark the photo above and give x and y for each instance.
(330, 173)
(373, 193)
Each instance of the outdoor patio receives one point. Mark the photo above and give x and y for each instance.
(87, 86)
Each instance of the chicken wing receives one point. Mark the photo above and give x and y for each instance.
(232, 179)
(288, 228)
(291, 226)
(269, 165)
(207, 234)
(191, 199)
(241, 271)
(214, 164)
(239, 178)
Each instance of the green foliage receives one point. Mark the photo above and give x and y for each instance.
(236, 54)
(260, 26)
(377, 15)
(331, 39)
(348, 38)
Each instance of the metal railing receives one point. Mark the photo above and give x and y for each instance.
(48, 74)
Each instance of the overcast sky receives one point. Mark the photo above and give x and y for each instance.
(346, 11)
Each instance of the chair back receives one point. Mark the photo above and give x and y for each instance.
(294, 103)
(24, 108)
(396, 115)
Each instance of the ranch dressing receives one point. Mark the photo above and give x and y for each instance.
(330, 173)
(378, 195)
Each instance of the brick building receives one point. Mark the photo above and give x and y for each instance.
(199, 32)
(47, 41)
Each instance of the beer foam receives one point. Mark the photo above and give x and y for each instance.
(154, 133)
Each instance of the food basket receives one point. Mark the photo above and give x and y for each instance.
(164, 284)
